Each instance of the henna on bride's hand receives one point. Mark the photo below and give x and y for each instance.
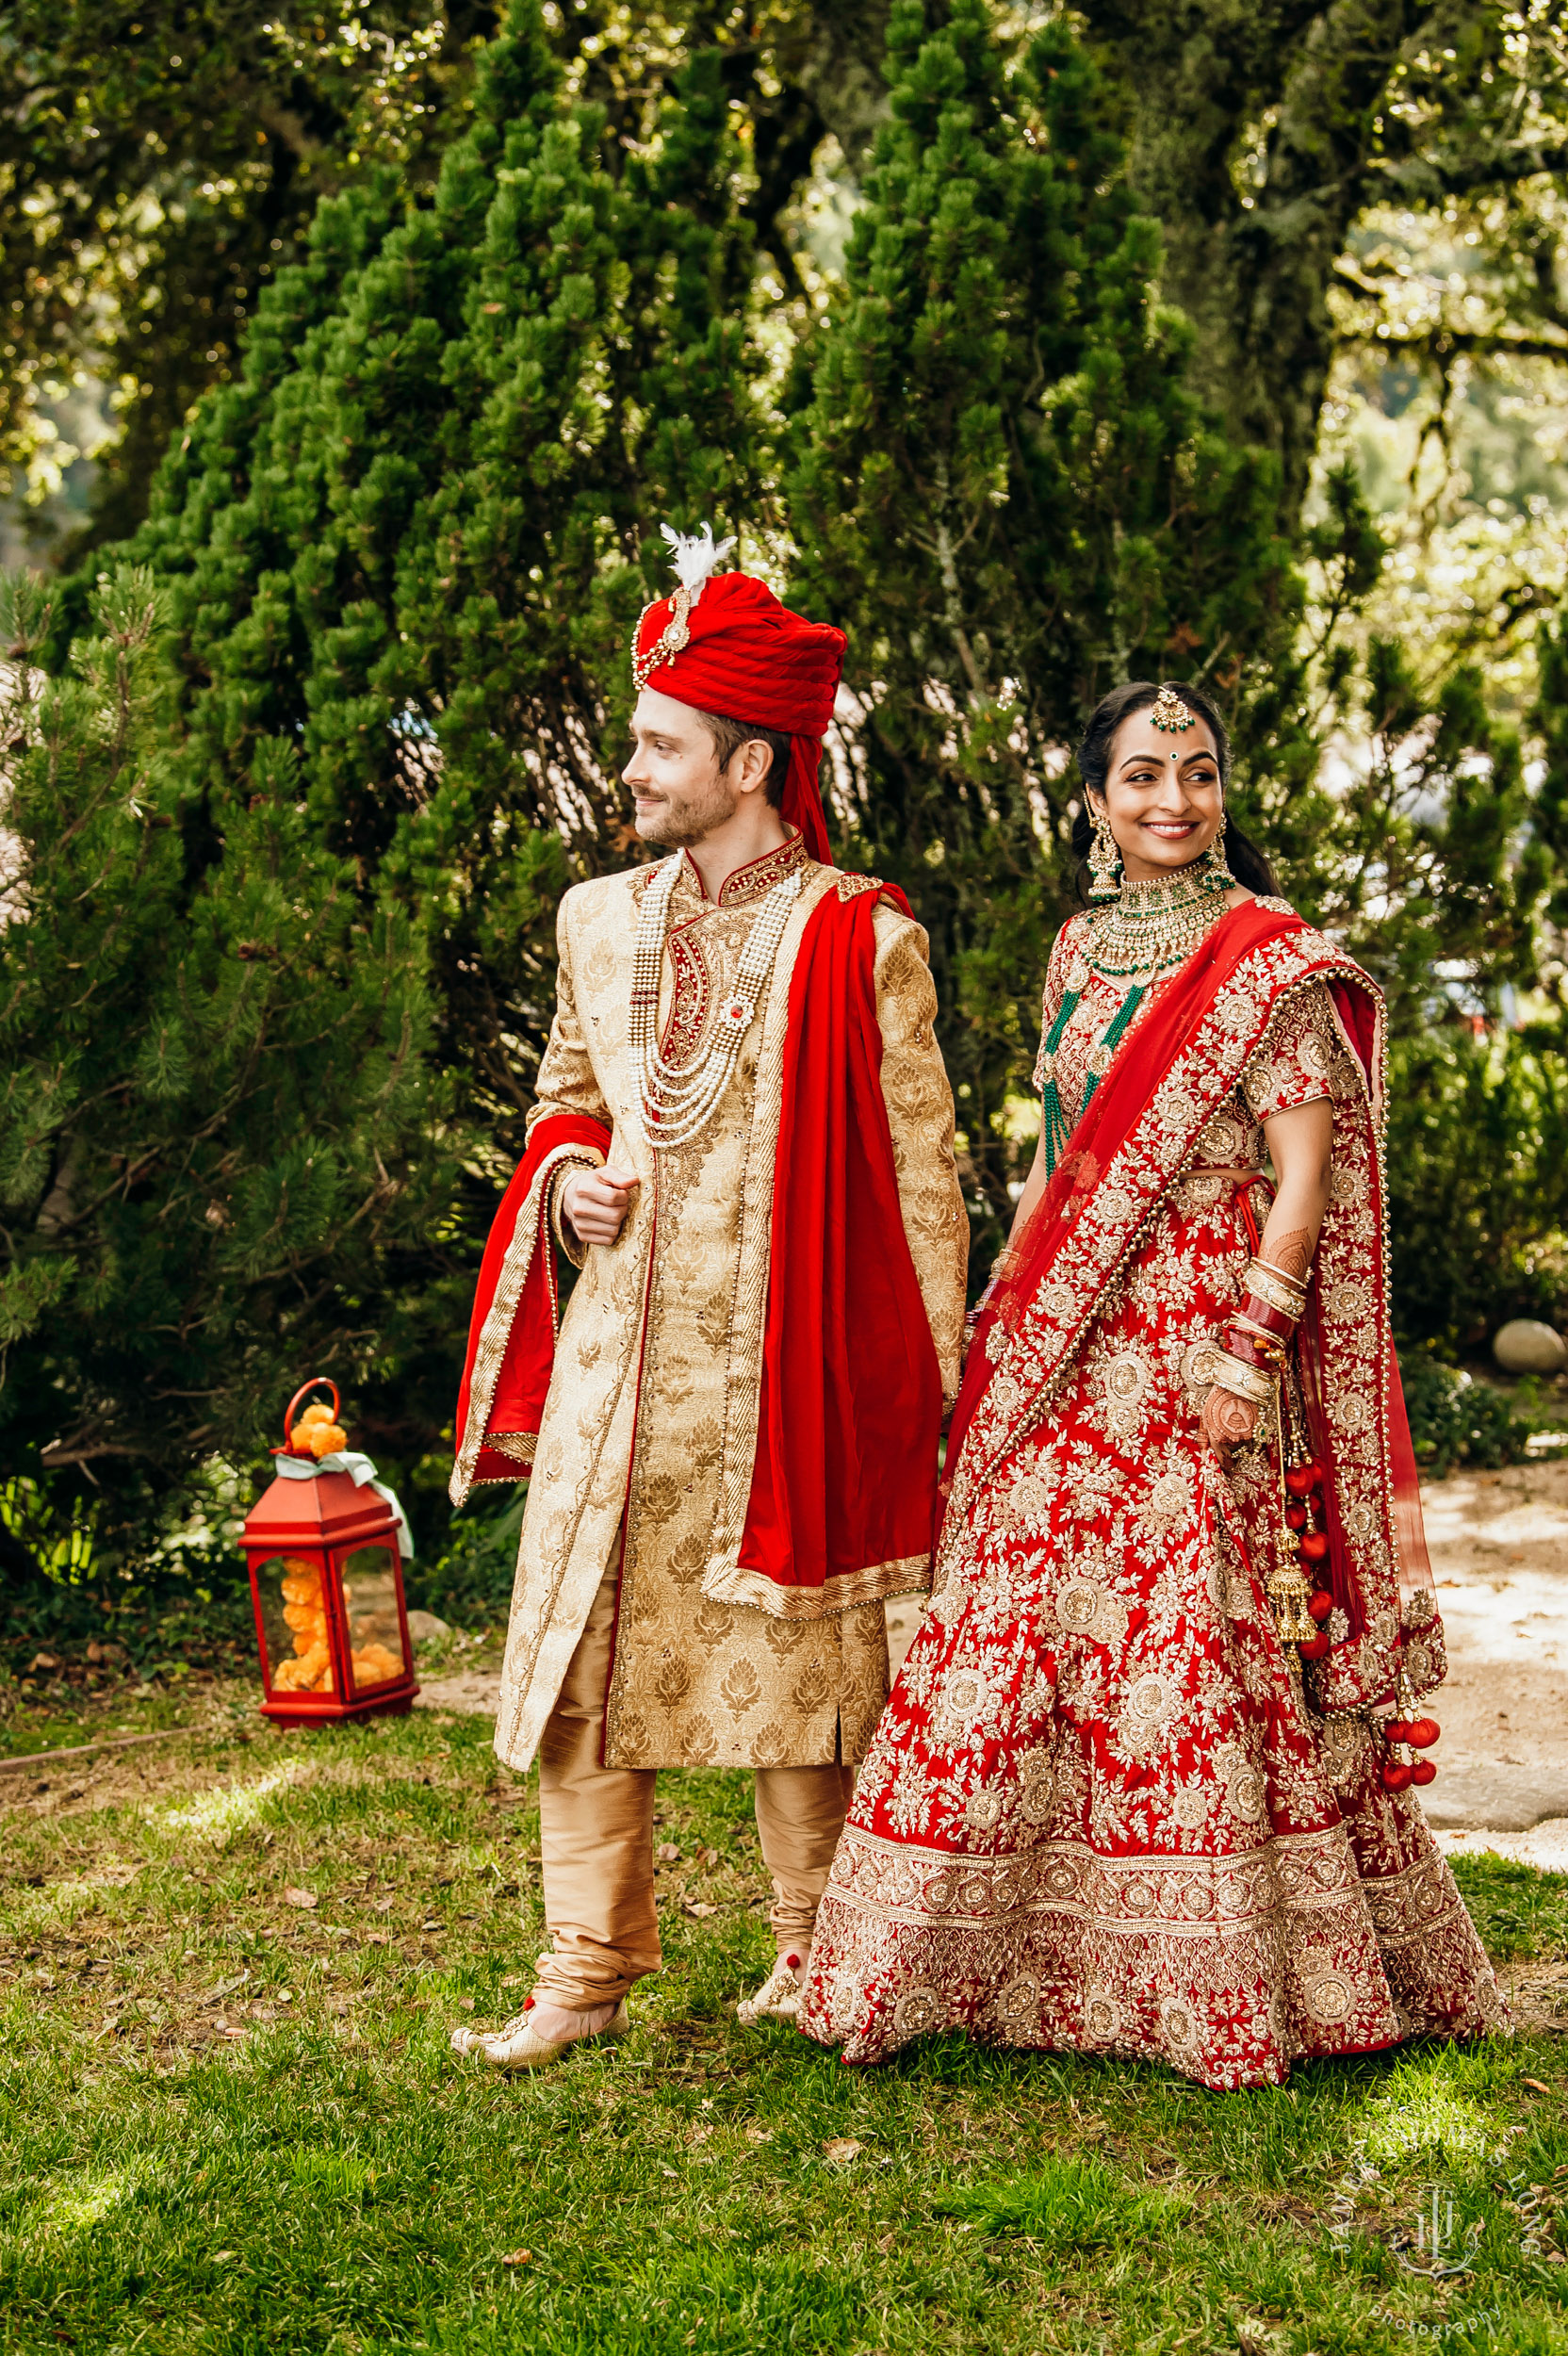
(1292, 1254)
(1226, 1421)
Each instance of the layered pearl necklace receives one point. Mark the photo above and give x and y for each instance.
(676, 1103)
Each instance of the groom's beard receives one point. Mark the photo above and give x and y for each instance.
(681, 821)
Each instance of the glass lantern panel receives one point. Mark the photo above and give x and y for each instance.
(294, 1622)
(375, 1632)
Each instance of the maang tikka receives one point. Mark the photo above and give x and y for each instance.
(1104, 860)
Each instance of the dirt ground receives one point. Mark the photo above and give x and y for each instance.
(1499, 1549)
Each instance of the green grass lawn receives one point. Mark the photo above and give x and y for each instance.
(231, 2119)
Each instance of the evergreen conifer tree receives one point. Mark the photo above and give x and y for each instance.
(398, 562)
(415, 540)
(318, 758)
(1002, 488)
(219, 1135)
(1002, 484)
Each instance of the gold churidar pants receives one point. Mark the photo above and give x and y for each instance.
(595, 1828)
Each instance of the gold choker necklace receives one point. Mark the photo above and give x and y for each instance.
(1151, 927)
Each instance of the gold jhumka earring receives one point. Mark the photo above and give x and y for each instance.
(1215, 865)
(1104, 861)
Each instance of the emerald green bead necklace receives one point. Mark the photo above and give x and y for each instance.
(1146, 931)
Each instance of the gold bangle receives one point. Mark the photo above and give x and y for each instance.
(1243, 1382)
(1275, 1343)
(1272, 1296)
(1276, 1288)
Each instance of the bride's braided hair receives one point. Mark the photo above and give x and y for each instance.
(1247, 863)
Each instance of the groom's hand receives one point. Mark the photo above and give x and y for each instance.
(594, 1202)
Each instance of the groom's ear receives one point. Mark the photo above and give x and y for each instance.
(750, 766)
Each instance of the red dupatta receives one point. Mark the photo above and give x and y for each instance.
(1178, 1066)
(843, 1493)
(1113, 1114)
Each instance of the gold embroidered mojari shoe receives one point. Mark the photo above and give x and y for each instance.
(518, 2044)
(778, 1998)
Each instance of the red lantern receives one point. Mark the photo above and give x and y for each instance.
(326, 1580)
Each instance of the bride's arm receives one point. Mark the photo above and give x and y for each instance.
(1039, 1176)
(1028, 1201)
(1301, 1146)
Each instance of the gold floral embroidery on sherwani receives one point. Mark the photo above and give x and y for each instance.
(652, 1409)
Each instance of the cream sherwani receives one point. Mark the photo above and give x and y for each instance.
(635, 1641)
(652, 1410)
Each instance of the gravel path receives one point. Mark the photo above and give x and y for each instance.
(1499, 1548)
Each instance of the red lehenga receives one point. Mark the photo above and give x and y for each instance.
(1107, 1808)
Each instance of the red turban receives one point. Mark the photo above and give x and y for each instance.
(736, 650)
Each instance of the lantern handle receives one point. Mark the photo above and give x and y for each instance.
(315, 1384)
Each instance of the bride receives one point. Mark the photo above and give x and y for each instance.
(1143, 1786)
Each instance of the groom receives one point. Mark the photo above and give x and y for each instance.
(743, 1140)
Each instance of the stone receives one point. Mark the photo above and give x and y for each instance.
(1525, 1346)
(424, 1628)
(1497, 1798)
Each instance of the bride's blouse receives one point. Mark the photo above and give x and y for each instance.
(1290, 1068)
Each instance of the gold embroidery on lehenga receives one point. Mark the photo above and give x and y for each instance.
(1191, 1808)
(1141, 1868)
(1128, 1378)
(1102, 2016)
(1327, 1993)
(1245, 1795)
(1153, 1700)
(1037, 1787)
(983, 1810)
(1087, 1609)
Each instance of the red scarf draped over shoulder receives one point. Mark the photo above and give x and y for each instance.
(1114, 1111)
(851, 1409)
(844, 1481)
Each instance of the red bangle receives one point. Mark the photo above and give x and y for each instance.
(1272, 1320)
(1253, 1351)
